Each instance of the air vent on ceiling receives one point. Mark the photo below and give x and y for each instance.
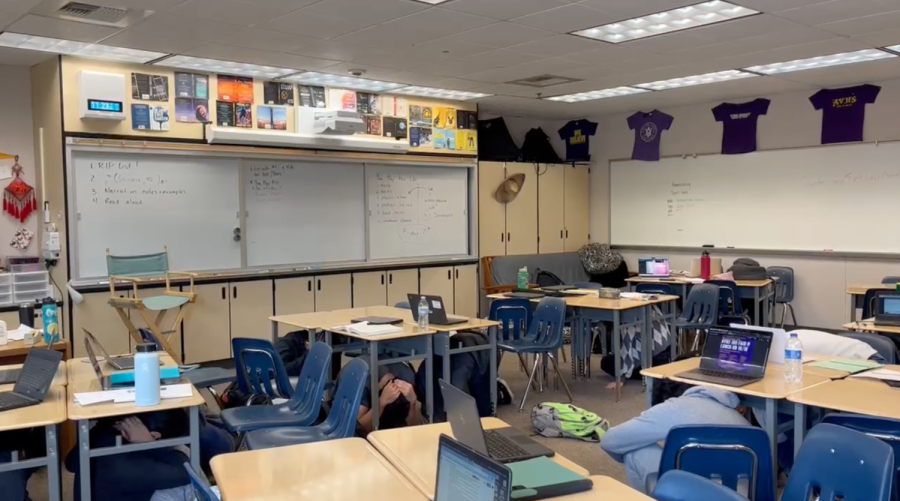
(118, 17)
(542, 81)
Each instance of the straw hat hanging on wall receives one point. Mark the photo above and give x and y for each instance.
(509, 188)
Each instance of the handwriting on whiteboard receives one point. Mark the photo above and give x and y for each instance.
(121, 183)
(849, 178)
(410, 204)
(265, 181)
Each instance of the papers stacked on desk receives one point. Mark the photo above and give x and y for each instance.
(846, 365)
(367, 329)
(882, 374)
(127, 394)
(19, 334)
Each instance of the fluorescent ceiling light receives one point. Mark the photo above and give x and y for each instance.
(323, 79)
(859, 56)
(701, 14)
(456, 95)
(204, 65)
(81, 49)
(675, 83)
(432, 2)
(597, 94)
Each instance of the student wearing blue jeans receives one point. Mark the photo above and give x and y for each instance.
(13, 484)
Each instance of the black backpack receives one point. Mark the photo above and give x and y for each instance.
(745, 268)
(545, 278)
(537, 148)
(494, 142)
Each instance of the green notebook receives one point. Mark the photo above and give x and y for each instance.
(851, 366)
(543, 477)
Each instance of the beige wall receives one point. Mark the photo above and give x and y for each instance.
(15, 139)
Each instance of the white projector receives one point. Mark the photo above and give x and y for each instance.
(334, 122)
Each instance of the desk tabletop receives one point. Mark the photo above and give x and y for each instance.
(860, 289)
(337, 470)
(868, 325)
(108, 409)
(414, 451)
(18, 348)
(681, 281)
(60, 379)
(406, 315)
(607, 489)
(51, 411)
(598, 303)
(858, 395)
(80, 369)
(772, 385)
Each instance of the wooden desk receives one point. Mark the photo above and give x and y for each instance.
(337, 470)
(868, 325)
(60, 379)
(80, 369)
(857, 293)
(607, 489)
(414, 451)
(760, 291)
(49, 414)
(14, 352)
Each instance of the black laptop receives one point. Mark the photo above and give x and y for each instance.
(732, 357)
(437, 315)
(506, 445)
(888, 311)
(34, 381)
(465, 475)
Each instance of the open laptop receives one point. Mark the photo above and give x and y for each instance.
(465, 475)
(34, 381)
(437, 314)
(503, 444)
(653, 267)
(779, 338)
(732, 357)
(121, 363)
(888, 311)
(10, 376)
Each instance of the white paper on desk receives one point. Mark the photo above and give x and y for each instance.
(127, 394)
(19, 334)
(637, 296)
(367, 329)
(882, 374)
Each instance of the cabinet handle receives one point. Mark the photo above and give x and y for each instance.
(391, 278)
(457, 274)
(223, 292)
(234, 291)
(309, 286)
(567, 233)
(502, 237)
(448, 275)
(560, 233)
(509, 237)
(318, 284)
(382, 279)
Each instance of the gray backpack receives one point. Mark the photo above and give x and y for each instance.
(747, 269)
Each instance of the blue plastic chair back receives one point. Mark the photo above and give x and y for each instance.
(646, 288)
(514, 315)
(890, 279)
(784, 286)
(202, 489)
(702, 305)
(257, 364)
(841, 463)
(883, 345)
(403, 304)
(310, 386)
(870, 302)
(546, 328)
(683, 486)
(726, 453)
(588, 285)
(884, 429)
(729, 297)
(341, 420)
(146, 265)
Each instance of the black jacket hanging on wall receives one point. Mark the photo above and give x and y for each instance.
(494, 142)
(537, 148)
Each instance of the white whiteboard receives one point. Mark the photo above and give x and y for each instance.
(136, 204)
(417, 211)
(841, 198)
(301, 212)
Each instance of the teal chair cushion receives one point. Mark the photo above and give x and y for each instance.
(148, 265)
(159, 303)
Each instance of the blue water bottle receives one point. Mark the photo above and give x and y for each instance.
(51, 320)
(146, 375)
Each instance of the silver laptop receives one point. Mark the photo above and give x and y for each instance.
(732, 357)
(653, 267)
(465, 475)
(506, 445)
(437, 314)
(121, 363)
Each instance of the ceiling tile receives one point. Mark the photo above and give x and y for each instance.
(227, 11)
(448, 47)
(531, 69)
(48, 7)
(338, 51)
(851, 74)
(399, 59)
(169, 25)
(499, 58)
(777, 5)
(366, 13)
(836, 10)
(11, 10)
(455, 83)
(823, 48)
(604, 54)
(880, 38)
(145, 41)
(706, 35)
(371, 72)
(559, 45)
(566, 19)
(867, 24)
(417, 28)
(57, 28)
(502, 9)
(625, 9)
(246, 55)
(284, 6)
(801, 35)
(313, 25)
(501, 35)
(19, 57)
(510, 90)
(276, 41)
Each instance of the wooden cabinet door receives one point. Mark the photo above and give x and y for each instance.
(522, 213)
(96, 315)
(401, 283)
(491, 213)
(333, 292)
(251, 307)
(438, 282)
(551, 218)
(577, 207)
(295, 295)
(369, 289)
(207, 325)
(465, 290)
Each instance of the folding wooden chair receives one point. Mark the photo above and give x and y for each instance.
(140, 270)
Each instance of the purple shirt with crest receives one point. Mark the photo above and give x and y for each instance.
(844, 111)
(739, 124)
(648, 129)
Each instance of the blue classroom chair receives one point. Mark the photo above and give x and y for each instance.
(729, 299)
(258, 365)
(683, 486)
(645, 288)
(700, 310)
(884, 429)
(890, 279)
(403, 304)
(841, 464)
(516, 316)
(784, 290)
(202, 490)
(303, 407)
(730, 454)
(341, 420)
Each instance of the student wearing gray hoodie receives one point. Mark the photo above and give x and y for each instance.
(636, 442)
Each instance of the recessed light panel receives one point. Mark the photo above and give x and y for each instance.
(204, 65)
(859, 56)
(701, 14)
(708, 78)
(456, 95)
(81, 49)
(432, 2)
(597, 94)
(327, 79)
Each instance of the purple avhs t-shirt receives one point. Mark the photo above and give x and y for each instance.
(844, 112)
(648, 129)
(739, 124)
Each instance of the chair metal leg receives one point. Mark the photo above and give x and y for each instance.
(696, 344)
(794, 318)
(783, 313)
(530, 381)
(560, 378)
(562, 350)
(524, 366)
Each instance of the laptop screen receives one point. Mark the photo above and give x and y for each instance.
(465, 475)
(736, 350)
(890, 305)
(653, 267)
(38, 372)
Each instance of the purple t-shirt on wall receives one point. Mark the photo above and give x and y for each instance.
(648, 129)
(844, 112)
(739, 124)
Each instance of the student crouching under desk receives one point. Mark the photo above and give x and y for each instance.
(28, 443)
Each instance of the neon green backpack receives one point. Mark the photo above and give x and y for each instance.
(555, 420)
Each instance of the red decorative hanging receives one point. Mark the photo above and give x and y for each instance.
(19, 199)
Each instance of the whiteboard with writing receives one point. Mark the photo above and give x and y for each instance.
(303, 212)
(136, 204)
(416, 211)
(840, 198)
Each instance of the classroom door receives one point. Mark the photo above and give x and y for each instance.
(251, 306)
(401, 283)
(577, 207)
(369, 289)
(491, 213)
(438, 282)
(207, 326)
(333, 292)
(294, 295)
(551, 208)
(465, 290)
(522, 213)
(96, 315)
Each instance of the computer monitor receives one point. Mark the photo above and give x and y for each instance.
(653, 267)
(740, 351)
(466, 475)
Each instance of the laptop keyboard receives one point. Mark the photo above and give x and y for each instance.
(10, 401)
(501, 447)
(726, 375)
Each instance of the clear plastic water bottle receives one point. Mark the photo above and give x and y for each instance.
(793, 359)
(423, 314)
